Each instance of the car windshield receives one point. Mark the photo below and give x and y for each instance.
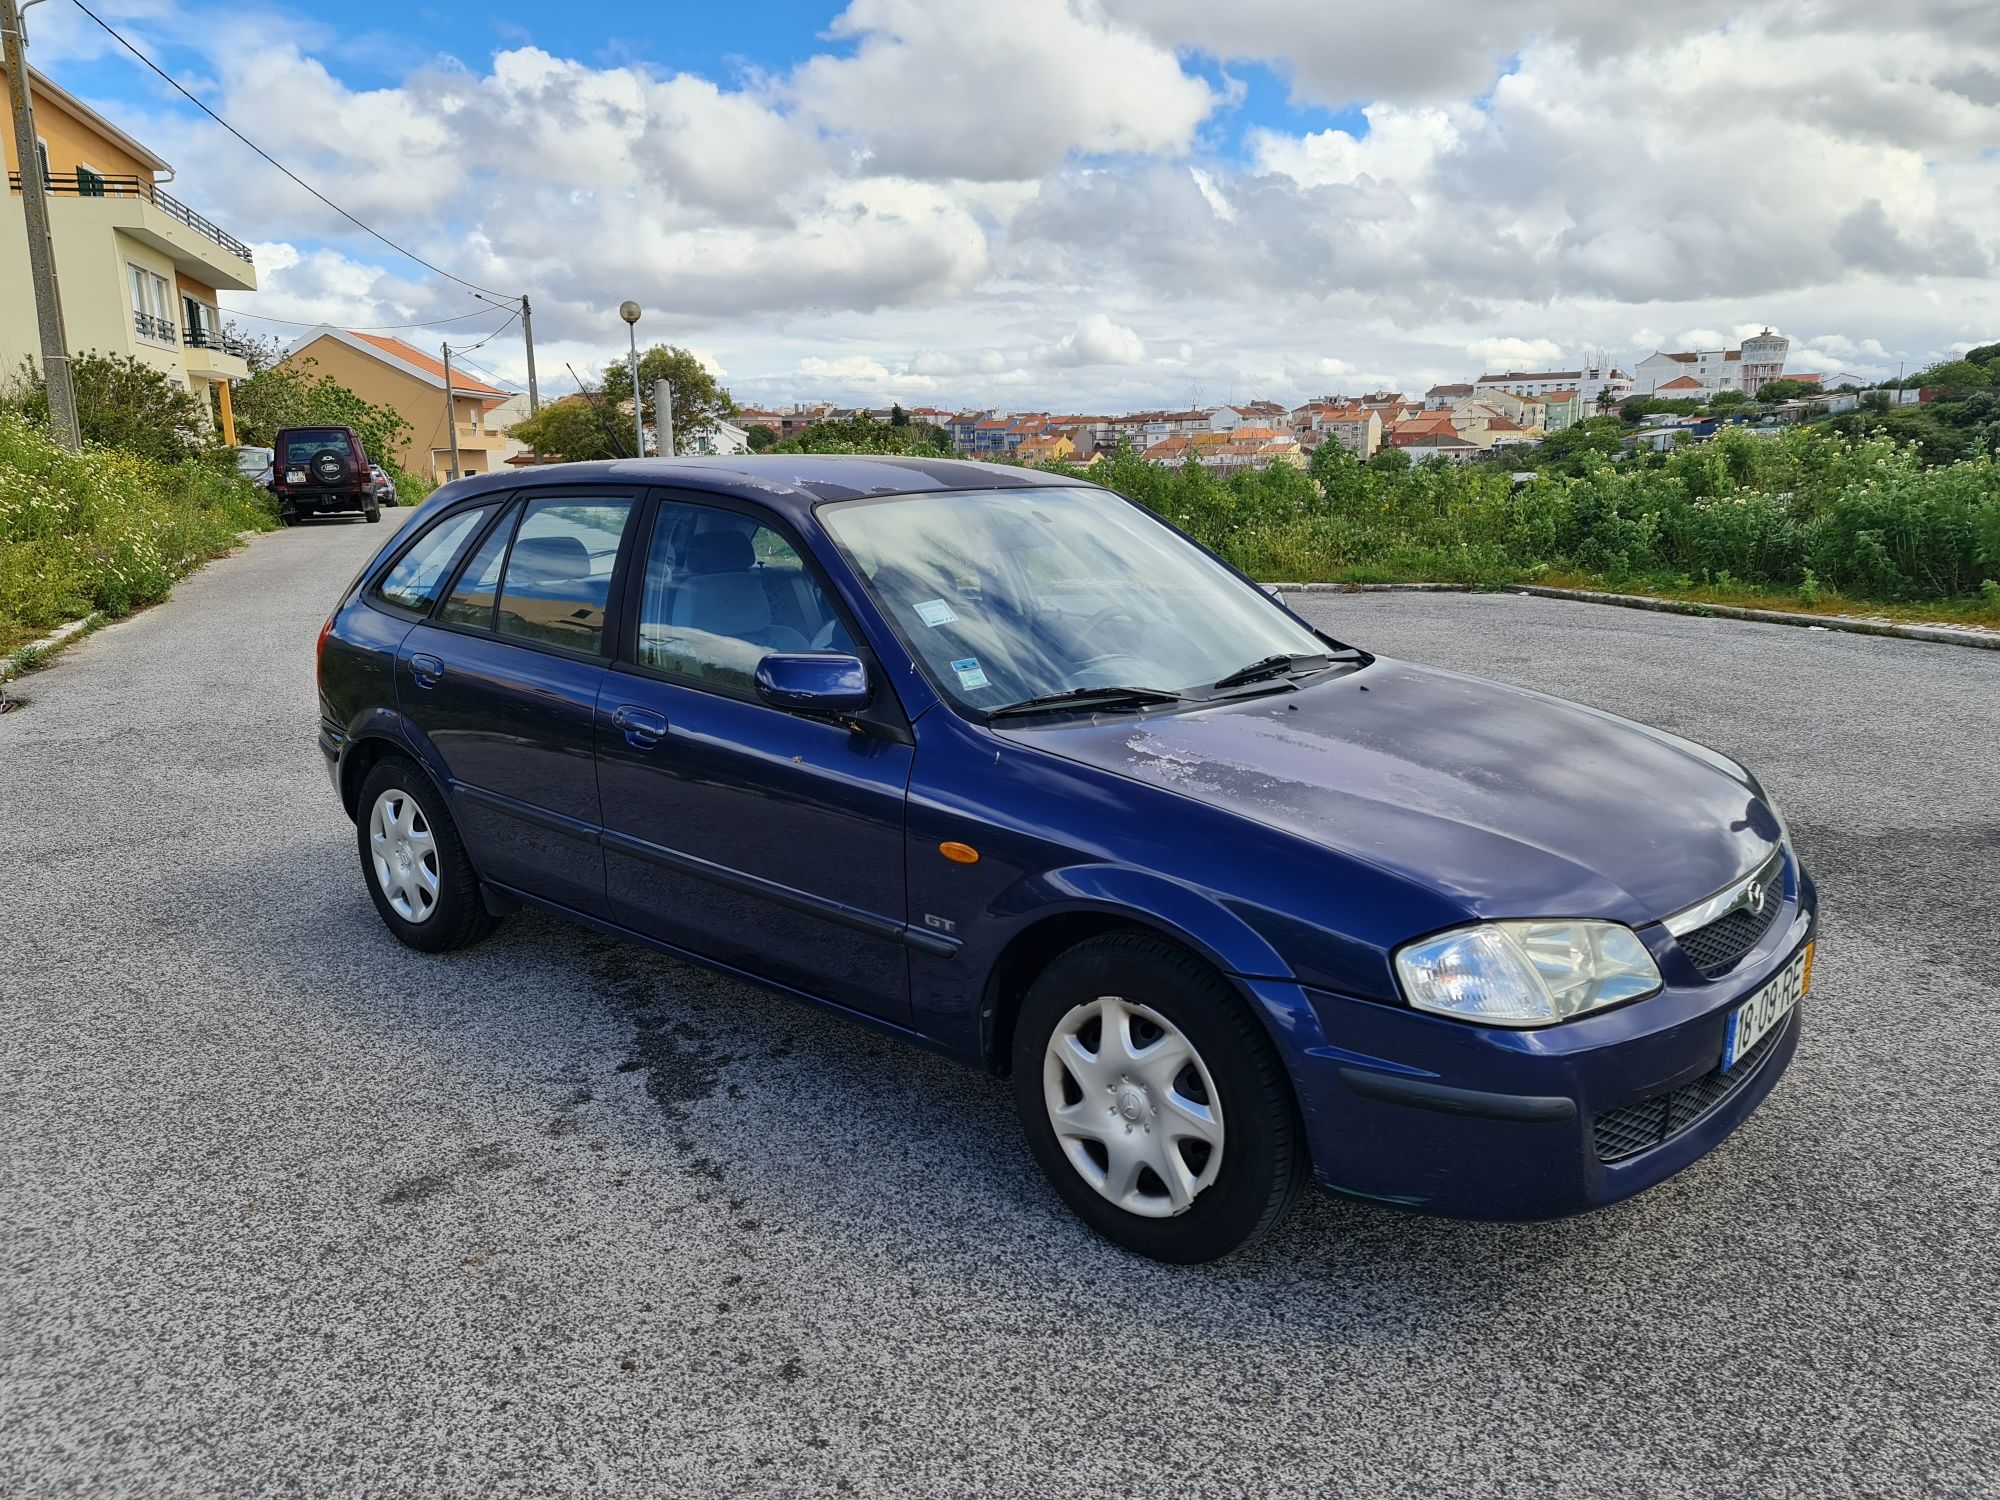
(301, 447)
(1017, 594)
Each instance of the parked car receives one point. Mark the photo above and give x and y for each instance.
(385, 487)
(998, 762)
(254, 464)
(322, 471)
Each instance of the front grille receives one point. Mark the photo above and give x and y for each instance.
(1714, 948)
(1653, 1122)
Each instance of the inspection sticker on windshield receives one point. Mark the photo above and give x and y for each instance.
(936, 612)
(970, 673)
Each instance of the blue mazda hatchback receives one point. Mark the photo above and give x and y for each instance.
(1001, 763)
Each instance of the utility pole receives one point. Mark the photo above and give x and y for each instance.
(41, 245)
(450, 411)
(528, 333)
(663, 418)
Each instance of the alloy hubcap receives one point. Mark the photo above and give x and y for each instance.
(404, 854)
(1133, 1106)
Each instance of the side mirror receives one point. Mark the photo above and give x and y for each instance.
(815, 682)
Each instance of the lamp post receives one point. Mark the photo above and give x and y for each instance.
(629, 311)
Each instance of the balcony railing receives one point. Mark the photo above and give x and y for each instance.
(91, 185)
(214, 338)
(150, 327)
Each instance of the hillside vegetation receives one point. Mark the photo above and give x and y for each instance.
(105, 530)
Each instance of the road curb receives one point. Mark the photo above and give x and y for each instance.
(21, 658)
(1983, 640)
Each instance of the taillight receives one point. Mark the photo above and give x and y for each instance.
(319, 649)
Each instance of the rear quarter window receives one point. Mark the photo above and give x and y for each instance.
(414, 579)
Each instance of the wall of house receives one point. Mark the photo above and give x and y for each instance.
(73, 141)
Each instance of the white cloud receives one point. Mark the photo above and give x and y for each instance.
(1514, 354)
(1096, 340)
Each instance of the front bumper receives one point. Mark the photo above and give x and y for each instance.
(1480, 1122)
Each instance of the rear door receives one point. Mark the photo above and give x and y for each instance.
(503, 681)
(768, 840)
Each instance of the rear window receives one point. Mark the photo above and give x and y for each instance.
(413, 581)
(302, 445)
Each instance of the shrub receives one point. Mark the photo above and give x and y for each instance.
(106, 529)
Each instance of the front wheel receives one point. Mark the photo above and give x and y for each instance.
(418, 875)
(1154, 1101)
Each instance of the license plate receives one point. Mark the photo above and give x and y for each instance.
(1754, 1018)
(295, 476)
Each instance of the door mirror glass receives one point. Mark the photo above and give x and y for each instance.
(813, 682)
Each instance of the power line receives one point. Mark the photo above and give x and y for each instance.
(369, 229)
(366, 327)
(489, 337)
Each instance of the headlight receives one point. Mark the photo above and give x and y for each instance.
(1526, 973)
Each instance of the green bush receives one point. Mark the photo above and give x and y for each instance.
(105, 529)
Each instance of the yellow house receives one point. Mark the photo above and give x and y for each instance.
(137, 269)
(388, 372)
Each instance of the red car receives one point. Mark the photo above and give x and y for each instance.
(320, 471)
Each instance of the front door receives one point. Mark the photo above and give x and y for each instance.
(503, 680)
(766, 840)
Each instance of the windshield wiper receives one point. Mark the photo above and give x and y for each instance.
(1271, 666)
(1088, 697)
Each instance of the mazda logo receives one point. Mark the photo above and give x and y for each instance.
(1754, 899)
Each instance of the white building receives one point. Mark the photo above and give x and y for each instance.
(1589, 383)
(1700, 373)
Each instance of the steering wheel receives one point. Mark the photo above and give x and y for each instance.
(1110, 611)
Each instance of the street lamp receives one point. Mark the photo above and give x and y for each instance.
(629, 311)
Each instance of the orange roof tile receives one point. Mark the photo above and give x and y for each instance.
(460, 381)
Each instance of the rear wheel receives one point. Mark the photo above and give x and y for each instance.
(418, 875)
(372, 514)
(1154, 1101)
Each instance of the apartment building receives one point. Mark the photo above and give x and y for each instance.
(389, 372)
(138, 271)
(1700, 373)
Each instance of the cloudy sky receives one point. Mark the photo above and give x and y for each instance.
(1097, 204)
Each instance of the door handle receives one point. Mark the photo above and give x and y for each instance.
(426, 669)
(643, 727)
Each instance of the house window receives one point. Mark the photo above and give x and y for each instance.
(152, 305)
(89, 183)
(202, 322)
(42, 155)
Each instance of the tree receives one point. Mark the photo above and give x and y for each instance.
(577, 428)
(1390, 460)
(1984, 355)
(1607, 401)
(294, 395)
(121, 403)
(1725, 400)
(763, 438)
(898, 417)
(1773, 391)
(1957, 374)
(698, 401)
(260, 350)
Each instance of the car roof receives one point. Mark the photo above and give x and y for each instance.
(792, 482)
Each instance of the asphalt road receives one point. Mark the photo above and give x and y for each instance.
(288, 1209)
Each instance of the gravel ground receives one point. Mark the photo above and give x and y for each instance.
(288, 1209)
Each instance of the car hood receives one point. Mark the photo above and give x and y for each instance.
(1507, 801)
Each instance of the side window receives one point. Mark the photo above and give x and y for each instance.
(472, 601)
(414, 579)
(559, 572)
(722, 592)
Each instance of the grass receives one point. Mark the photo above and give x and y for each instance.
(105, 531)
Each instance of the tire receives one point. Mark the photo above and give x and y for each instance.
(329, 468)
(456, 916)
(1245, 1165)
(287, 516)
(372, 514)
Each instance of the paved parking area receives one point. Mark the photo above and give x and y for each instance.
(288, 1209)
